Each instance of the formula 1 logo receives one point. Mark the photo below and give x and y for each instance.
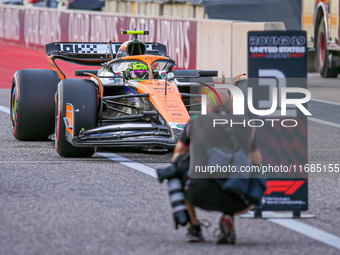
(288, 187)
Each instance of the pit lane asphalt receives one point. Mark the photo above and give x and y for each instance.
(53, 205)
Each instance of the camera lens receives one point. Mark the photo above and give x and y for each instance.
(177, 201)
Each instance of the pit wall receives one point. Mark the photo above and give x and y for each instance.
(193, 43)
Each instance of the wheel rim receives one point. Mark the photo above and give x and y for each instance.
(322, 49)
(14, 110)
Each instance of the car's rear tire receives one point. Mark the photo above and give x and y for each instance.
(32, 104)
(82, 94)
(322, 62)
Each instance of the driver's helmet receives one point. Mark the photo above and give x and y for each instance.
(137, 70)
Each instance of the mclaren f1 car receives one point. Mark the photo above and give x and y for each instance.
(135, 99)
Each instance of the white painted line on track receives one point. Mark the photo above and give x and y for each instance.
(129, 163)
(309, 231)
(328, 123)
(294, 225)
(4, 109)
(324, 101)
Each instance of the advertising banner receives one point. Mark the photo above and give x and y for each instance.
(277, 70)
(36, 27)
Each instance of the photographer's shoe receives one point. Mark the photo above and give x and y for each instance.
(227, 231)
(194, 234)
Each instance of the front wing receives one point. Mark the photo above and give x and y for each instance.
(137, 133)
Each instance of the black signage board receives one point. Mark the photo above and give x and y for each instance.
(278, 59)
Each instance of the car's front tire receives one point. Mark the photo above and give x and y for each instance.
(82, 95)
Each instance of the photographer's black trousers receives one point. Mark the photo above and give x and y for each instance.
(208, 195)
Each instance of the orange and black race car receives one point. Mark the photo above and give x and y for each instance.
(134, 100)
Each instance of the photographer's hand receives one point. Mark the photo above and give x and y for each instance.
(180, 148)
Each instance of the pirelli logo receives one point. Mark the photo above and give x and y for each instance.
(286, 187)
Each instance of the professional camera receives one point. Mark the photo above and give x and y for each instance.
(176, 196)
(167, 173)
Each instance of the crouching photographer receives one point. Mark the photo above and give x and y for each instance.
(230, 196)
